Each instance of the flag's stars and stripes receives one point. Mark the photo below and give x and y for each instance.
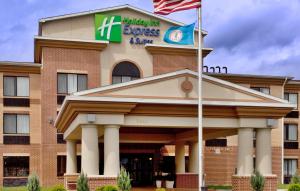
(165, 7)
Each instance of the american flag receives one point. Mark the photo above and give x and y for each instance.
(165, 7)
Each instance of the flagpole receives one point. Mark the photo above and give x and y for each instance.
(200, 128)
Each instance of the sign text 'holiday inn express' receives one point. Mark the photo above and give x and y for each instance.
(112, 27)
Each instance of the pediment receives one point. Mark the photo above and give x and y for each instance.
(181, 85)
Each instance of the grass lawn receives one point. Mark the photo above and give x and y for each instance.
(221, 187)
(283, 186)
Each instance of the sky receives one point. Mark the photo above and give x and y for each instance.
(248, 36)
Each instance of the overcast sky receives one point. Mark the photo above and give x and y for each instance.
(248, 36)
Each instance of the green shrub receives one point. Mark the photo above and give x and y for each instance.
(160, 189)
(295, 179)
(58, 188)
(82, 183)
(107, 188)
(33, 183)
(294, 187)
(123, 180)
(257, 182)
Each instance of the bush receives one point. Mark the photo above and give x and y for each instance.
(123, 180)
(257, 181)
(295, 179)
(107, 188)
(82, 183)
(58, 188)
(294, 187)
(33, 183)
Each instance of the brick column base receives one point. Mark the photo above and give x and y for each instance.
(242, 183)
(93, 181)
(98, 181)
(187, 180)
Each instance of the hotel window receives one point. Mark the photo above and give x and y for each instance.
(291, 136)
(68, 84)
(290, 168)
(125, 72)
(290, 132)
(16, 86)
(291, 97)
(264, 90)
(71, 83)
(16, 166)
(16, 129)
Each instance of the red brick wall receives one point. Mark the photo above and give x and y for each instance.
(242, 183)
(60, 59)
(186, 180)
(219, 167)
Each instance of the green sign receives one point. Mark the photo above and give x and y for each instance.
(108, 28)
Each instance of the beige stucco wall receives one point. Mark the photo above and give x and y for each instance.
(83, 28)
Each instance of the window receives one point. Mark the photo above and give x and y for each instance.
(16, 86)
(290, 132)
(262, 89)
(291, 97)
(61, 165)
(125, 72)
(16, 166)
(71, 83)
(290, 167)
(15, 124)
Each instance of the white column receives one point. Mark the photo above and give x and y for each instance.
(245, 152)
(111, 150)
(264, 151)
(89, 150)
(180, 157)
(71, 157)
(193, 157)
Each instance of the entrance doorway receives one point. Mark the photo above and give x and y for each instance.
(140, 168)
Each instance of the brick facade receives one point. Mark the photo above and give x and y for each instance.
(93, 182)
(187, 180)
(69, 61)
(242, 183)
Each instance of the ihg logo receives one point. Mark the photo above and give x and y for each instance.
(108, 28)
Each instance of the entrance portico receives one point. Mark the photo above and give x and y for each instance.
(163, 110)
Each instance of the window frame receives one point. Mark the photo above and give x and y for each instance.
(288, 97)
(286, 133)
(67, 88)
(259, 89)
(27, 171)
(124, 76)
(16, 127)
(16, 86)
(288, 164)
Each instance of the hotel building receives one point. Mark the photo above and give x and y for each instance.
(90, 105)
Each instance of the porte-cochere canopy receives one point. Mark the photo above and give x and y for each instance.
(163, 109)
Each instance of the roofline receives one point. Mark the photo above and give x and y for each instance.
(296, 82)
(69, 39)
(167, 101)
(83, 13)
(186, 71)
(177, 46)
(250, 76)
(103, 88)
(12, 63)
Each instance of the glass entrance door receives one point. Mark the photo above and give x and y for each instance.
(140, 167)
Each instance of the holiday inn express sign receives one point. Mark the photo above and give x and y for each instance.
(111, 27)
